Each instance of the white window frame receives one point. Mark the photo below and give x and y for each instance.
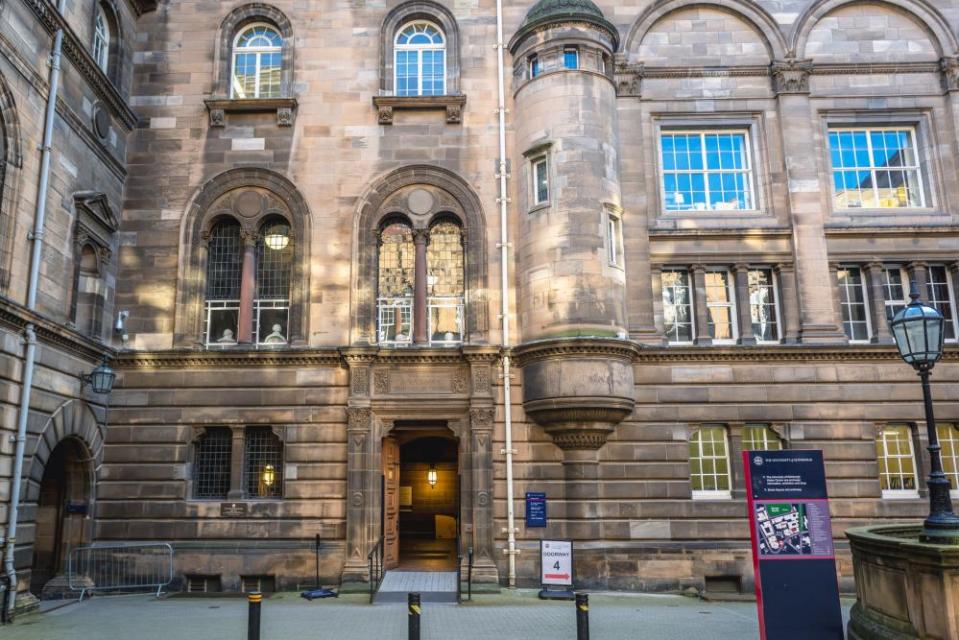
(774, 284)
(419, 49)
(886, 285)
(211, 307)
(768, 436)
(690, 286)
(101, 39)
(714, 494)
(575, 52)
(749, 169)
(914, 138)
(865, 301)
(899, 494)
(731, 304)
(534, 67)
(953, 476)
(259, 52)
(614, 239)
(534, 164)
(952, 298)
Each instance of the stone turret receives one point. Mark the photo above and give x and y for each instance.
(577, 371)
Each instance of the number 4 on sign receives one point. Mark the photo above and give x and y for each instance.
(556, 565)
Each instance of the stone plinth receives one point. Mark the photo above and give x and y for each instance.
(905, 589)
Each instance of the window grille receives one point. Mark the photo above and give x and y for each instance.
(257, 62)
(706, 171)
(941, 297)
(262, 464)
(395, 284)
(759, 437)
(949, 441)
(677, 307)
(875, 168)
(211, 463)
(274, 259)
(720, 307)
(258, 584)
(420, 60)
(224, 268)
(709, 462)
(202, 584)
(764, 305)
(852, 300)
(897, 465)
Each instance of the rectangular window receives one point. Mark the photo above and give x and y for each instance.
(534, 66)
(942, 297)
(895, 290)
(897, 465)
(262, 464)
(540, 181)
(764, 305)
(709, 463)
(875, 168)
(677, 307)
(571, 58)
(852, 300)
(614, 240)
(759, 437)
(720, 307)
(706, 171)
(212, 454)
(949, 441)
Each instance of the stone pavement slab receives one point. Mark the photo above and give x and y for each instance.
(519, 616)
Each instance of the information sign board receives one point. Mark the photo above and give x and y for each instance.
(797, 592)
(535, 510)
(556, 562)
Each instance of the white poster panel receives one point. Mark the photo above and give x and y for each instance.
(556, 562)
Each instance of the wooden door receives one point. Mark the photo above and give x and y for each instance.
(391, 503)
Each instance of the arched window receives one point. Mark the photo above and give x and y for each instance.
(224, 273)
(709, 463)
(102, 38)
(257, 62)
(420, 60)
(395, 282)
(212, 453)
(274, 259)
(444, 259)
(262, 464)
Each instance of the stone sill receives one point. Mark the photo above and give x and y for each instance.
(386, 104)
(219, 107)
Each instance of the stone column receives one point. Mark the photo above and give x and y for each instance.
(359, 500)
(244, 333)
(834, 283)
(872, 273)
(481, 432)
(702, 337)
(788, 303)
(918, 272)
(656, 276)
(420, 336)
(820, 317)
(743, 309)
(236, 464)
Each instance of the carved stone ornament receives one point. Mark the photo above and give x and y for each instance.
(381, 382)
(384, 114)
(454, 113)
(284, 117)
(628, 78)
(481, 418)
(580, 440)
(950, 73)
(481, 379)
(217, 118)
(359, 417)
(360, 381)
(459, 384)
(791, 76)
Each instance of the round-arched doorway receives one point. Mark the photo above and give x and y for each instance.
(63, 511)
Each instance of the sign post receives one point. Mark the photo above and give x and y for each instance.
(535, 509)
(556, 569)
(797, 592)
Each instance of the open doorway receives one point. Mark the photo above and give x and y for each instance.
(422, 501)
(61, 522)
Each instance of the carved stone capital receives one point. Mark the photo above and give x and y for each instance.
(790, 76)
(359, 418)
(481, 418)
(284, 117)
(628, 78)
(949, 67)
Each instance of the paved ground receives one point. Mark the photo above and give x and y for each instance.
(519, 616)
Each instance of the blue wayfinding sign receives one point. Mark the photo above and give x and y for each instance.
(797, 592)
(535, 509)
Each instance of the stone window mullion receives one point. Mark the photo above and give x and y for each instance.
(236, 463)
(877, 303)
(247, 289)
(735, 433)
(743, 307)
(700, 311)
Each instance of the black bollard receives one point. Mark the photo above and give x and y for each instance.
(253, 618)
(414, 617)
(582, 616)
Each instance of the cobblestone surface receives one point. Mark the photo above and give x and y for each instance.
(488, 617)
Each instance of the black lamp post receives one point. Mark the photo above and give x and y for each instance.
(918, 331)
(100, 379)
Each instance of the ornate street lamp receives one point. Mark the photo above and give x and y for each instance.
(918, 331)
(100, 379)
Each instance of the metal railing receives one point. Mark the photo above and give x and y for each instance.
(375, 559)
(459, 579)
(121, 567)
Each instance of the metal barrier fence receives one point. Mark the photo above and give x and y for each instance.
(122, 567)
(375, 559)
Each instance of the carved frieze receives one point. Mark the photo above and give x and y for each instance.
(360, 381)
(381, 381)
(790, 76)
(481, 418)
(358, 418)
(459, 383)
(628, 78)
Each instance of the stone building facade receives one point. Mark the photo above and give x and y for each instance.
(712, 206)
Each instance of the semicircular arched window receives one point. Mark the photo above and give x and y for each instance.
(101, 39)
(224, 273)
(274, 260)
(395, 283)
(445, 284)
(257, 62)
(420, 60)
